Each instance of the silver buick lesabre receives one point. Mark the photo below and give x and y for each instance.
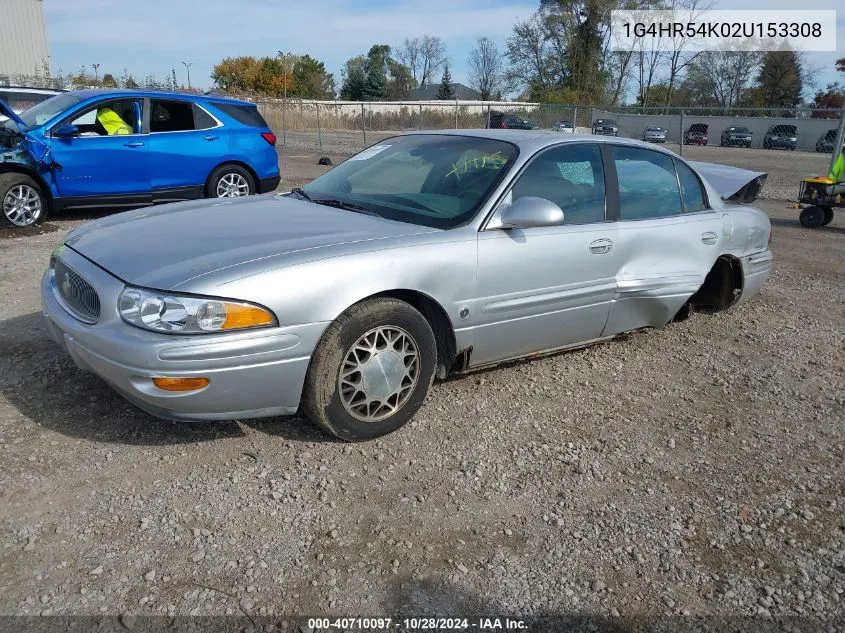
(428, 253)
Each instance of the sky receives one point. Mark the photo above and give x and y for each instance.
(158, 35)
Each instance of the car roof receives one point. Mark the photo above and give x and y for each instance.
(534, 140)
(37, 91)
(90, 93)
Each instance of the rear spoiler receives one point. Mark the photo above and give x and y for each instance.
(732, 183)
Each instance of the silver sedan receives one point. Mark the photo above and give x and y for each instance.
(426, 254)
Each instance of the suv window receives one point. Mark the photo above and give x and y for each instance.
(178, 116)
(570, 176)
(108, 118)
(692, 193)
(244, 114)
(648, 186)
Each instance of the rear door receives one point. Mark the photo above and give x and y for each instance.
(668, 238)
(186, 144)
(102, 168)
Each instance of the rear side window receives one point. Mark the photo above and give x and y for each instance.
(648, 186)
(692, 192)
(243, 114)
(178, 116)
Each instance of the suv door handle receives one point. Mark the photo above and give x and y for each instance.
(210, 137)
(601, 246)
(134, 144)
(709, 237)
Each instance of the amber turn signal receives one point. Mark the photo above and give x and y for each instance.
(181, 384)
(239, 316)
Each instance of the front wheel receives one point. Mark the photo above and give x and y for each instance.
(230, 181)
(812, 217)
(22, 199)
(371, 371)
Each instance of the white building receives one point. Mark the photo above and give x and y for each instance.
(23, 39)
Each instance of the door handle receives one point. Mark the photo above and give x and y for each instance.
(210, 137)
(134, 144)
(709, 237)
(601, 246)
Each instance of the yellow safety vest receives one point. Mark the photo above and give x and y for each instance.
(838, 168)
(109, 119)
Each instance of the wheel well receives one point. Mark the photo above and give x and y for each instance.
(13, 168)
(721, 288)
(439, 321)
(231, 162)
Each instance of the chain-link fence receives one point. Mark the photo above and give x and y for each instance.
(746, 138)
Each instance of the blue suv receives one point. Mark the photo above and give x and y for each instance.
(130, 148)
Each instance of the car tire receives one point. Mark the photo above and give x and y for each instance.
(230, 181)
(22, 201)
(812, 217)
(336, 384)
(828, 215)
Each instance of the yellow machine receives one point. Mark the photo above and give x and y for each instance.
(823, 195)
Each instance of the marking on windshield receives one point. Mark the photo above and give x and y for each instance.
(369, 153)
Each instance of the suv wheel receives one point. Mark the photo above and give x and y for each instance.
(230, 181)
(22, 201)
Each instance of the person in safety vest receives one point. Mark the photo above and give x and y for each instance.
(112, 123)
(838, 171)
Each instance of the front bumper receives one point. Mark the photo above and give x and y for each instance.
(785, 143)
(252, 374)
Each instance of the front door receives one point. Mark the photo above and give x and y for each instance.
(548, 287)
(108, 161)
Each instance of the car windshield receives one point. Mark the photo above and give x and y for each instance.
(607, 122)
(654, 129)
(784, 129)
(439, 181)
(741, 130)
(45, 111)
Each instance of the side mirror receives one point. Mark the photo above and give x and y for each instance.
(528, 212)
(66, 130)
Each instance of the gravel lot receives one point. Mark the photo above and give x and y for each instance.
(697, 471)
(785, 168)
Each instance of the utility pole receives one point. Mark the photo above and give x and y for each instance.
(284, 57)
(96, 68)
(188, 68)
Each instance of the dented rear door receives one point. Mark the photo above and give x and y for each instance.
(668, 238)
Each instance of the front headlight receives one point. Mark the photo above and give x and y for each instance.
(177, 314)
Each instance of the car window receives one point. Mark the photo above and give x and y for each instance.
(648, 185)
(433, 180)
(22, 100)
(572, 177)
(46, 111)
(244, 114)
(108, 118)
(177, 116)
(692, 193)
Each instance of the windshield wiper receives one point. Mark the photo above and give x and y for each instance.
(340, 204)
(301, 194)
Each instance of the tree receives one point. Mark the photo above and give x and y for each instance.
(108, 81)
(780, 80)
(298, 76)
(310, 79)
(485, 68)
(354, 75)
(422, 56)
(400, 81)
(446, 90)
(840, 65)
(721, 78)
(833, 98)
(376, 86)
(527, 52)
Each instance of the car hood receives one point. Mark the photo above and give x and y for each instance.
(163, 247)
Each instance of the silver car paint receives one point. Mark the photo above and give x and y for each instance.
(506, 293)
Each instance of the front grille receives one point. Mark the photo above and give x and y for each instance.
(79, 296)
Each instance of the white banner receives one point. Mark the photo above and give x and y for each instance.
(728, 30)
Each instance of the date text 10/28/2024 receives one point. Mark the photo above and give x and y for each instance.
(416, 624)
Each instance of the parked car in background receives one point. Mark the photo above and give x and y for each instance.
(607, 127)
(344, 299)
(564, 126)
(785, 136)
(130, 148)
(532, 125)
(19, 98)
(826, 141)
(505, 121)
(654, 134)
(736, 136)
(696, 134)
